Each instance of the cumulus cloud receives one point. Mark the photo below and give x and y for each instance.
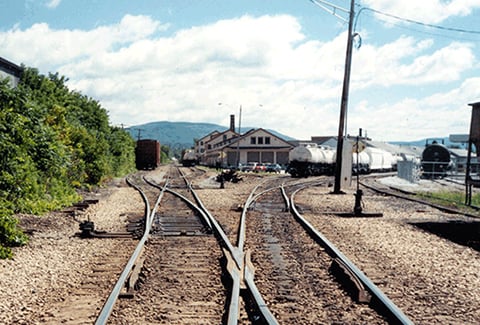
(407, 61)
(282, 79)
(51, 48)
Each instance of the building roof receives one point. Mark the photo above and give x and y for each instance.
(10, 67)
(253, 131)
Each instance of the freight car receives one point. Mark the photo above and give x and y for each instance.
(379, 160)
(313, 160)
(147, 154)
(360, 163)
(189, 158)
(436, 161)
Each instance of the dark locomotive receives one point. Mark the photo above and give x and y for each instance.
(147, 154)
(189, 158)
(436, 160)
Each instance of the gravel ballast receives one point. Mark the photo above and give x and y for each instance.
(434, 280)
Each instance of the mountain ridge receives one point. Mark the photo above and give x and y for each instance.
(182, 134)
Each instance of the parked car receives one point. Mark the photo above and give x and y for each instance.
(248, 167)
(273, 168)
(260, 167)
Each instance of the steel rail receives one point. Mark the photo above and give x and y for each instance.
(247, 267)
(205, 218)
(413, 199)
(391, 309)
(229, 251)
(110, 302)
(234, 270)
(238, 256)
(243, 218)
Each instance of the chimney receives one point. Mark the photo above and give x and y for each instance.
(232, 123)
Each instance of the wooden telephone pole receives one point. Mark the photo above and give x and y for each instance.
(344, 102)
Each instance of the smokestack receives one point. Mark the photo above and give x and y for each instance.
(232, 122)
(475, 126)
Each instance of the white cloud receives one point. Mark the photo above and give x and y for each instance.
(439, 114)
(407, 61)
(425, 11)
(53, 3)
(140, 75)
(49, 48)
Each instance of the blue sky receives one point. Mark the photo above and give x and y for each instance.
(281, 60)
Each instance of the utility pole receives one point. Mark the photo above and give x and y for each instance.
(139, 132)
(239, 136)
(344, 102)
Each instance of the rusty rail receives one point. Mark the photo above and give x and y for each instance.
(392, 311)
(112, 298)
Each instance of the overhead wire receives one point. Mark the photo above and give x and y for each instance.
(451, 29)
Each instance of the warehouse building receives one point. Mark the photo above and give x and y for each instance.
(229, 148)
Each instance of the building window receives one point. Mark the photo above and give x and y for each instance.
(260, 140)
(224, 137)
(253, 140)
(267, 140)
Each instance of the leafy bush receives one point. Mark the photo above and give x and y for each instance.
(10, 234)
(52, 142)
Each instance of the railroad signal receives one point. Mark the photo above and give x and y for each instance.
(358, 146)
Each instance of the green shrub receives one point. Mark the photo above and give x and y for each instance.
(53, 141)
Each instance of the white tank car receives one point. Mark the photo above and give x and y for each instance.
(380, 160)
(309, 153)
(310, 159)
(330, 155)
(361, 161)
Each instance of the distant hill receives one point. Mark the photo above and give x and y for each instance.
(181, 134)
(421, 143)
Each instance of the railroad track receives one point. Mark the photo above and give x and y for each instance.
(447, 207)
(277, 272)
(295, 273)
(415, 263)
(183, 263)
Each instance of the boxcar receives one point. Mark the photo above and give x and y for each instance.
(147, 154)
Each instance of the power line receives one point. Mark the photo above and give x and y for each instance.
(334, 8)
(450, 29)
(436, 34)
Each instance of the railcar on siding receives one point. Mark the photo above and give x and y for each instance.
(436, 161)
(310, 159)
(189, 158)
(147, 154)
